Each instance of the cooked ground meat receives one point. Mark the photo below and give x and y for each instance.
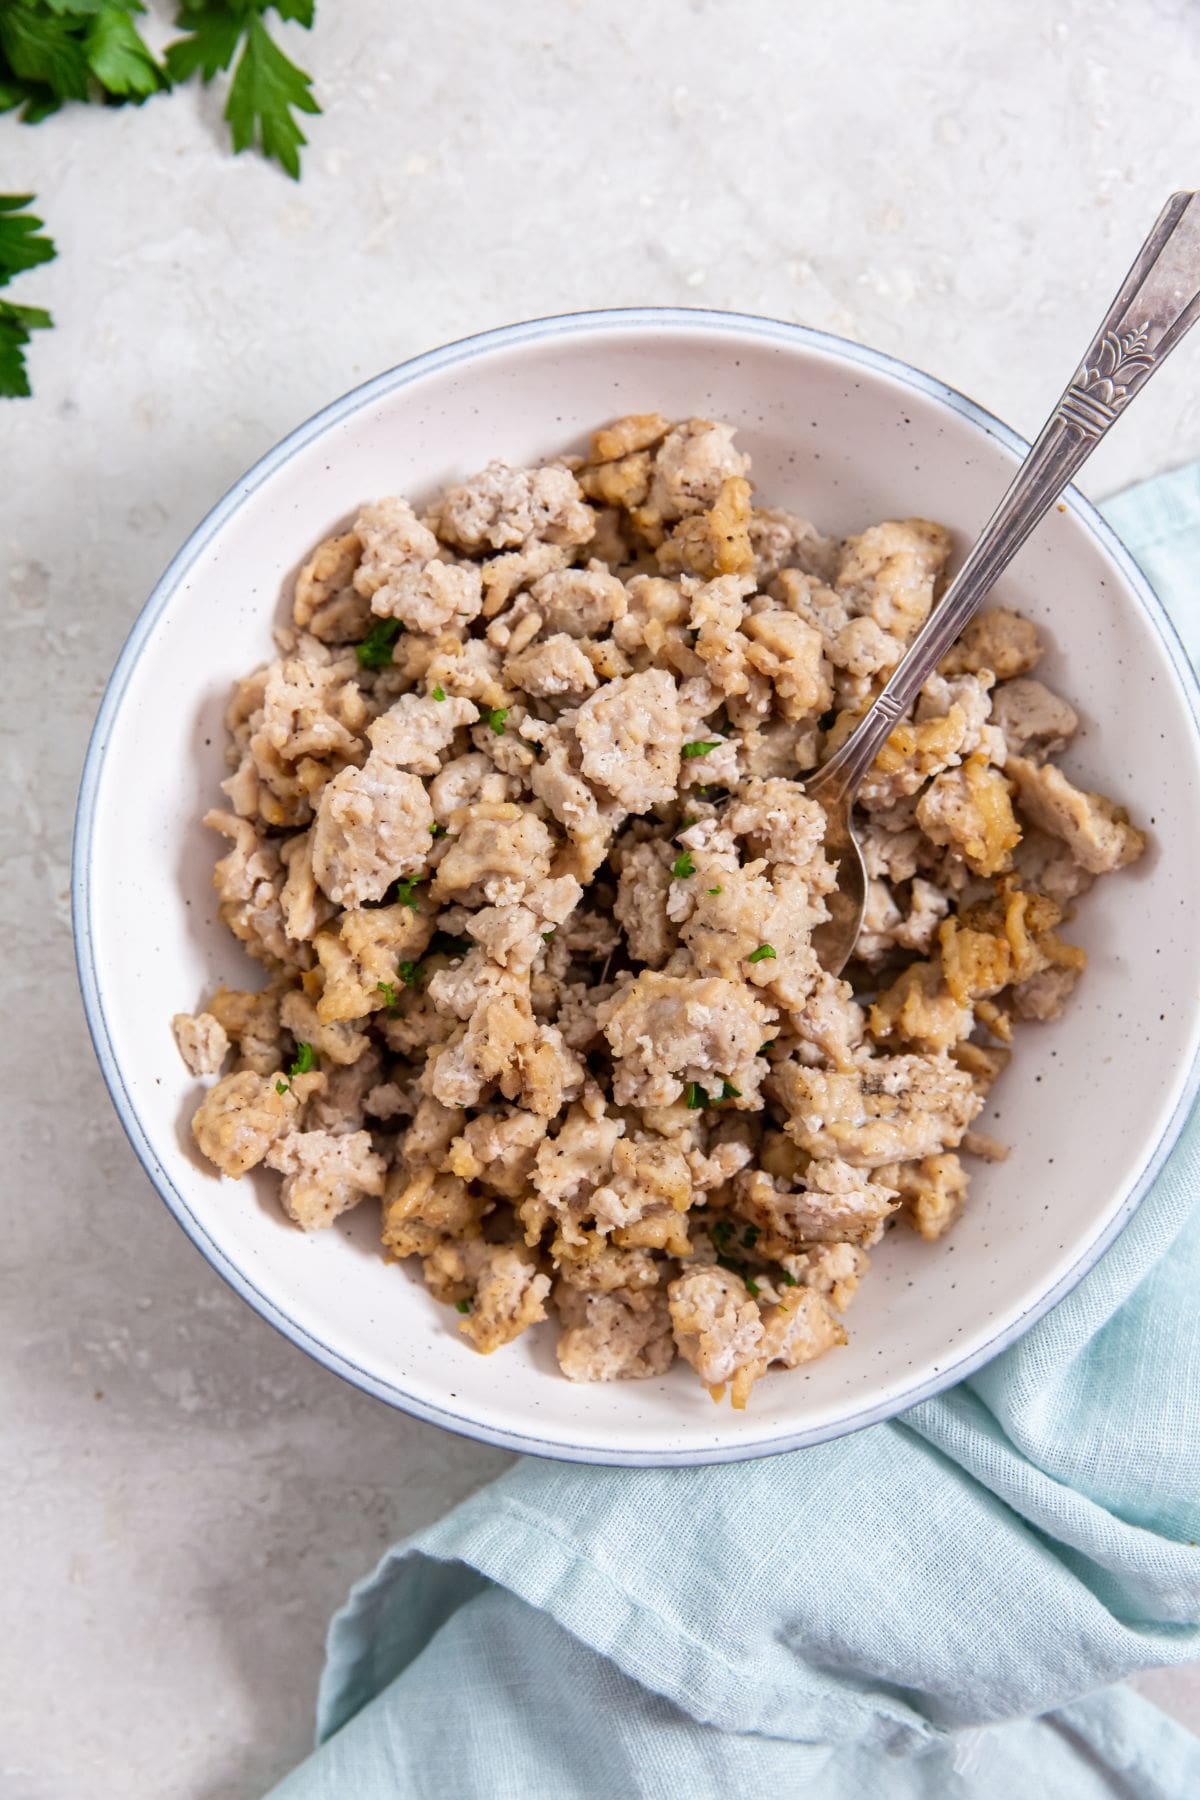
(515, 823)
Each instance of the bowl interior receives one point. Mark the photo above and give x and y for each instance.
(848, 440)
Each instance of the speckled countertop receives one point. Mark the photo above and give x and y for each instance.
(184, 1496)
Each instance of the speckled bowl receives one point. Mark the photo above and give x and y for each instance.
(1091, 1104)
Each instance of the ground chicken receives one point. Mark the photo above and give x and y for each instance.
(613, 1335)
(514, 823)
(203, 1043)
(889, 571)
(326, 602)
(969, 808)
(667, 1032)
(999, 640)
(630, 737)
(892, 1110)
(1033, 721)
(239, 1120)
(324, 1175)
(1097, 833)
(503, 508)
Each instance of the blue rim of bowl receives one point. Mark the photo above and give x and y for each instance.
(464, 350)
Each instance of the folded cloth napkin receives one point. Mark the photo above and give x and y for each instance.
(934, 1606)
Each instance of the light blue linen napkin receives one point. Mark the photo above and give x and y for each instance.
(936, 1606)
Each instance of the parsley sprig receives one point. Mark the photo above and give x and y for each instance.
(57, 50)
(54, 51)
(22, 246)
(267, 87)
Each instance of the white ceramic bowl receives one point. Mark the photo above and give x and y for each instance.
(846, 436)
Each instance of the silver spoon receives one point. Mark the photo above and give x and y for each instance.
(1158, 301)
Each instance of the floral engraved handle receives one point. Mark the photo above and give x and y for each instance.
(1158, 301)
(1104, 386)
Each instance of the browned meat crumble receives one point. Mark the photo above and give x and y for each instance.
(514, 823)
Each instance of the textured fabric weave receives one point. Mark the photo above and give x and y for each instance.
(937, 1606)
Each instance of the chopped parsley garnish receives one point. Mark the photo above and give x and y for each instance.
(787, 1280)
(439, 692)
(410, 973)
(688, 819)
(683, 866)
(404, 893)
(763, 1048)
(496, 717)
(751, 1285)
(437, 831)
(700, 747)
(306, 1060)
(764, 953)
(749, 1237)
(388, 990)
(729, 1092)
(696, 1096)
(462, 1306)
(721, 1233)
(375, 651)
(547, 935)
(715, 890)
(283, 1087)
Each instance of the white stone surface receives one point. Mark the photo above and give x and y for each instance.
(185, 1498)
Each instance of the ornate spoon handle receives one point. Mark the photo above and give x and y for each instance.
(1159, 299)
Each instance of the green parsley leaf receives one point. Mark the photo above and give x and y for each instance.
(700, 747)
(683, 866)
(721, 1233)
(439, 692)
(764, 953)
(266, 88)
(750, 1237)
(214, 30)
(437, 831)
(120, 59)
(696, 1096)
(283, 1087)
(306, 1060)
(787, 1280)
(496, 718)
(763, 1048)
(42, 60)
(16, 323)
(21, 243)
(715, 890)
(22, 246)
(751, 1286)
(404, 893)
(729, 1092)
(56, 50)
(462, 1306)
(547, 935)
(410, 973)
(388, 990)
(375, 651)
